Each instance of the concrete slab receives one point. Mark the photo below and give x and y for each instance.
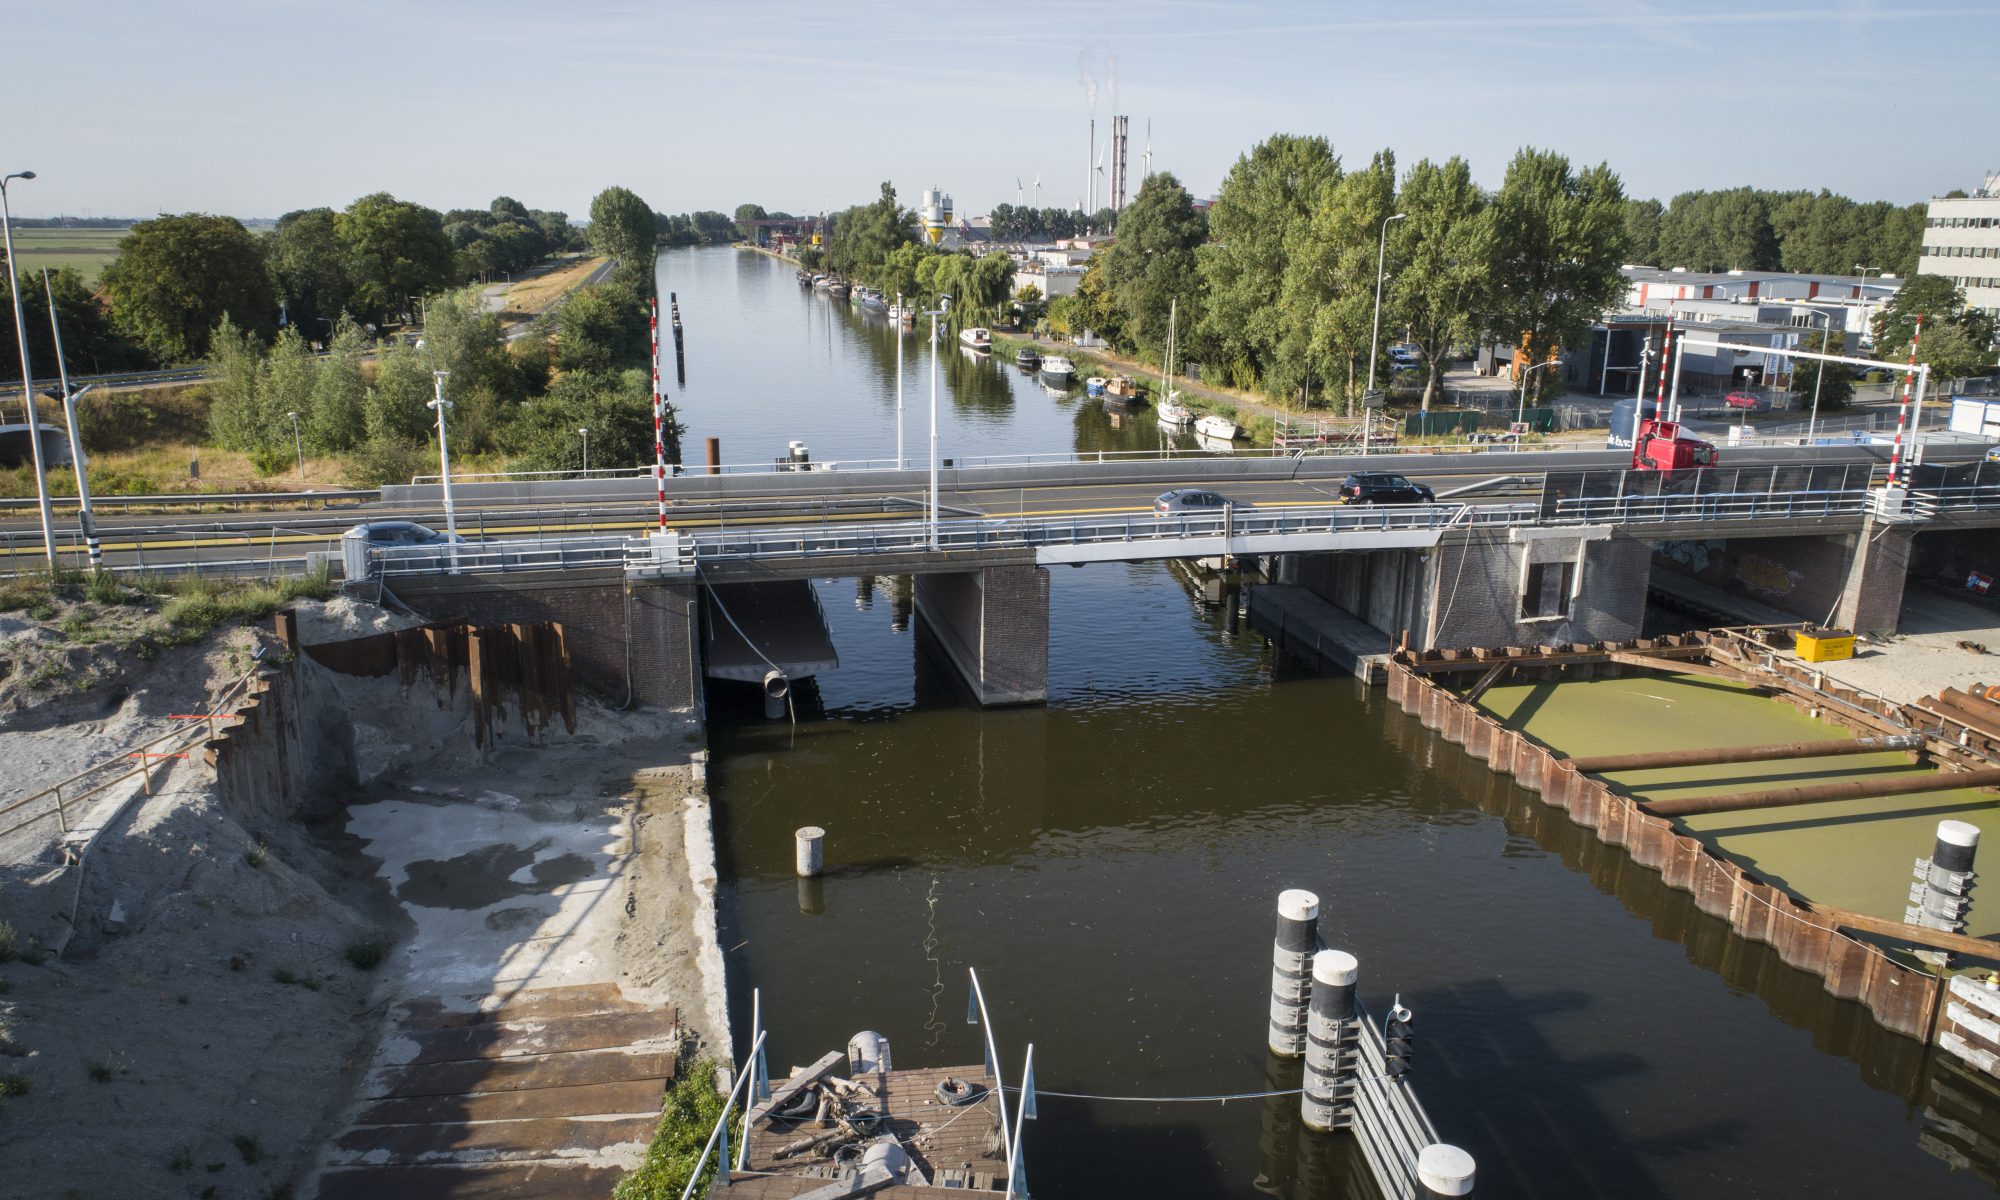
(1926, 655)
(1320, 633)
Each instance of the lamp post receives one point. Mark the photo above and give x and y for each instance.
(584, 433)
(298, 443)
(27, 372)
(444, 465)
(1819, 374)
(1375, 340)
(86, 521)
(900, 314)
(944, 306)
(1521, 413)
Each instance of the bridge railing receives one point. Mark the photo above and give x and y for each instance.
(1722, 506)
(527, 554)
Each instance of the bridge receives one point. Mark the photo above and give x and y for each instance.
(1562, 548)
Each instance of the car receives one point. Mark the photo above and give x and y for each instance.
(401, 533)
(1381, 487)
(1993, 454)
(1745, 402)
(1405, 357)
(1192, 500)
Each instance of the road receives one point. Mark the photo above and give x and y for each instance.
(558, 510)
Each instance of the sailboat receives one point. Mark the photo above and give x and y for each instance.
(1172, 411)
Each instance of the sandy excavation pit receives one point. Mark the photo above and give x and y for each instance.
(222, 1030)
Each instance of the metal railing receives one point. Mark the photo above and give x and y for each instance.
(57, 799)
(1723, 506)
(102, 503)
(527, 554)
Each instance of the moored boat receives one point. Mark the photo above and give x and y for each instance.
(1173, 412)
(1094, 386)
(1124, 389)
(1220, 428)
(1027, 358)
(1055, 366)
(837, 289)
(976, 338)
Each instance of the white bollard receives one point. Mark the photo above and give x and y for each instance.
(811, 850)
(1291, 970)
(1943, 893)
(1444, 1171)
(1331, 1034)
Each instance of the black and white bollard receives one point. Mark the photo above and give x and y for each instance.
(1942, 894)
(1332, 1031)
(1291, 970)
(1444, 1171)
(811, 850)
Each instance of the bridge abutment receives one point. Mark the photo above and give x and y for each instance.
(993, 626)
(1872, 599)
(1532, 587)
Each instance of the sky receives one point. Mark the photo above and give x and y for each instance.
(258, 107)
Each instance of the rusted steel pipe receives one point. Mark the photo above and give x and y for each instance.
(1711, 755)
(1853, 789)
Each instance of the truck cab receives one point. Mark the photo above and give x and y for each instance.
(1661, 446)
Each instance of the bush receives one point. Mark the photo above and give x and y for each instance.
(367, 953)
(383, 460)
(687, 1116)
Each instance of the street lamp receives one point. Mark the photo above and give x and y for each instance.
(27, 372)
(444, 465)
(1375, 341)
(1521, 414)
(584, 433)
(1819, 373)
(944, 306)
(298, 443)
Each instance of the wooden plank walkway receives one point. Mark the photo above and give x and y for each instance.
(551, 1092)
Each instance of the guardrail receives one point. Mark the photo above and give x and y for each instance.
(197, 499)
(1719, 506)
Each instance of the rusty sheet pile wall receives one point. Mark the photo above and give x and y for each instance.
(1900, 998)
(530, 663)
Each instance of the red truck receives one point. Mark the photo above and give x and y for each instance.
(1661, 446)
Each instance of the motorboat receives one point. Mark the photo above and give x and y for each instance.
(822, 282)
(903, 314)
(1174, 413)
(1055, 366)
(977, 338)
(868, 297)
(1094, 386)
(1124, 389)
(1027, 359)
(837, 289)
(1220, 428)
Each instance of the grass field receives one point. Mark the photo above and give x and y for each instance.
(531, 296)
(89, 251)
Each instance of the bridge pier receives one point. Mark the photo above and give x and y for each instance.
(1872, 599)
(1534, 587)
(993, 626)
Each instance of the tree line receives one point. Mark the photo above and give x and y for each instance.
(1749, 229)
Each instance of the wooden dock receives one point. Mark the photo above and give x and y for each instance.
(952, 1148)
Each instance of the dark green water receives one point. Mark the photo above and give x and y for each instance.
(1109, 863)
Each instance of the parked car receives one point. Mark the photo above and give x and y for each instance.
(401, 533)
(1192, 500)
(1746, 402)
(1381, 487)
(1993, 454)
(1405, 357)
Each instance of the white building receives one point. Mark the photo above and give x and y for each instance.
(1962, 243)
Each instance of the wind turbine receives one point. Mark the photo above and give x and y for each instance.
(1018, 190)
(1148, 155)
(1038, 189)
(1099, 172)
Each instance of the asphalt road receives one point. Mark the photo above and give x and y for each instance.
(172, 538)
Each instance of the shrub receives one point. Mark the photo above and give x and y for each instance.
(367, 953)
(687, 1116)
(246, 1146)
(13, 1083)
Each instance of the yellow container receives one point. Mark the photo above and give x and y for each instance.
(1824, 645)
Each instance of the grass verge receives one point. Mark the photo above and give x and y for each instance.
(687, 1116)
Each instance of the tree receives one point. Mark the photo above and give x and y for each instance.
(91, 344)
(1267, 199)
(177, 277)
(617, 408)
(622, 227)
(1558, 243)
(1329, 296)
(1957, 341)
(309, 269)
(1642, 229)
(601, 328)
(1443, 249)
(1152, 264)
(394, 250)
(1718, 231)
(1832, 384)
(746, 216)
(866, 235)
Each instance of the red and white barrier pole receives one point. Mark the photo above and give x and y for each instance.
(659, 419)
(1903, 409)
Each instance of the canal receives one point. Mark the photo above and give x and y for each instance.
(1109, 863)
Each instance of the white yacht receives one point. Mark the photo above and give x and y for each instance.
(1221, 429)
(976, 338)
(1055, 366)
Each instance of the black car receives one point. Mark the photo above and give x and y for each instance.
(1381, 487)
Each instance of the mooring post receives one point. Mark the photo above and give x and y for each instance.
(1444, 1170)
(715, 456)
(1943, 894)
(1328, 1098)
(1291, 970)
(811, 850)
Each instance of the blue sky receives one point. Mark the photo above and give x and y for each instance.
(256, 107)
